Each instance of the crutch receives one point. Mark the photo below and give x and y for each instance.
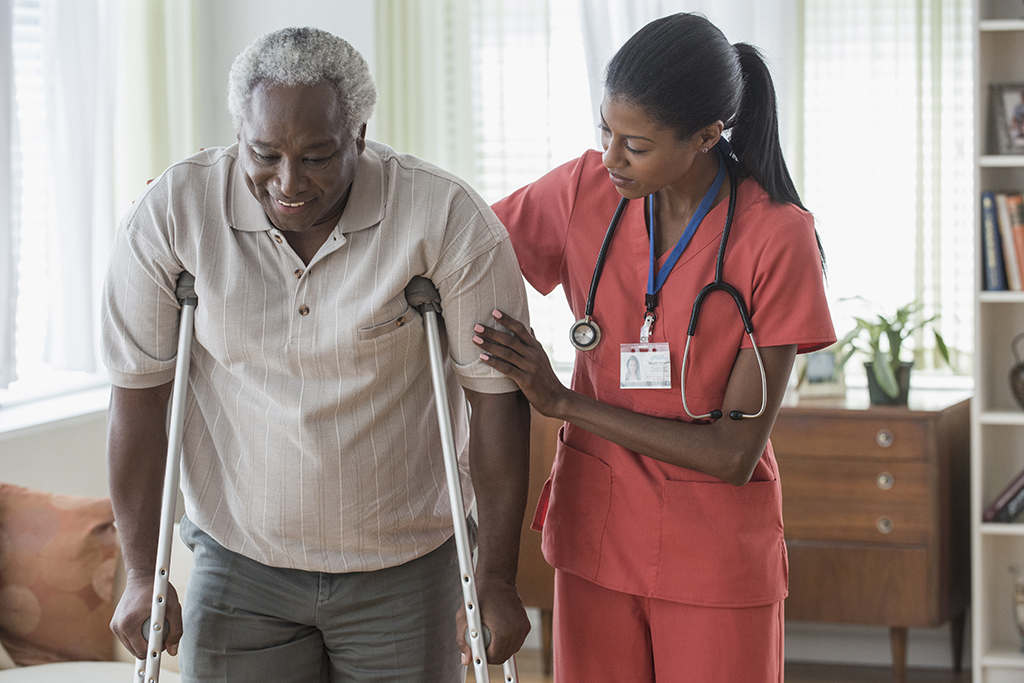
(148, 671)
(423, 296)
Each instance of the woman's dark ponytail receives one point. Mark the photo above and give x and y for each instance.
(755, 130)
(755, 133)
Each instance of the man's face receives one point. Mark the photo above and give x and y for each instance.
(299, 155)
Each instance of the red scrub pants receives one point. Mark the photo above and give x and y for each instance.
(612, 637)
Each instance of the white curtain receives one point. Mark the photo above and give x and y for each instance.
(888, 156)
(156, 110)
(8, 217)
(79, 43)
(423, 68)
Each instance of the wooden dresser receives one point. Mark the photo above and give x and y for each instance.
(875, 505)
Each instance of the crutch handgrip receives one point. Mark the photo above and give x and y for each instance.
(167, 626)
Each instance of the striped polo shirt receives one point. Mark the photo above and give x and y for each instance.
(311, 439)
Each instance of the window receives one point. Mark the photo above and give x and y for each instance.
(30, 171)
(888, 157)
(61, 95)
(531, 108)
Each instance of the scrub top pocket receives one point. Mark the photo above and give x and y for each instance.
(577, 512)
(722, 545)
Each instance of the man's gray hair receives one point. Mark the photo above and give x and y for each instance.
(303, 56)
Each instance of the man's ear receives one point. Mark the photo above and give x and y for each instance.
(361, 138)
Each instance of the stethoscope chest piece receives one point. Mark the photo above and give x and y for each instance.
(584, 334)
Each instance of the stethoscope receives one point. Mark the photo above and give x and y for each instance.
(585, 333)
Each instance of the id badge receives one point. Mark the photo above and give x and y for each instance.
(645, 366)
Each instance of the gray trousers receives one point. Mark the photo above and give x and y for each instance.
(245, 621)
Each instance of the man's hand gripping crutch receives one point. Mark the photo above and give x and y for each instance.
(148, 670)
(422, 296)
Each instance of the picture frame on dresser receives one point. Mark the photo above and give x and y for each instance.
(1007, 116)
(819, 374)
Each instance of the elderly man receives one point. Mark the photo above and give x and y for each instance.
(315, 494)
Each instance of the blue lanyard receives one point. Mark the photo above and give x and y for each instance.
(654, 282)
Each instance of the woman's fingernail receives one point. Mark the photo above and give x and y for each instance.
(496, 313)
(484, 356)
(478, 328)
(477, 339)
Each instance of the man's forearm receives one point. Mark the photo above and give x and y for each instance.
(500, 468)
(136, 454)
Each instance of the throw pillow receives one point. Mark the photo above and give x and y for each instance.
(58, 555)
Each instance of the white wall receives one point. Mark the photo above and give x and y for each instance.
(66, 456)
(225, 27)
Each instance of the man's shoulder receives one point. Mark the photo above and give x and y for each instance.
(399, 166)
(186, 186)
(210, 160)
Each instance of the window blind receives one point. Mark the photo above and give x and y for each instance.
(531, 112)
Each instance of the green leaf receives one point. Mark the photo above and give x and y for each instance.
(940, 345)
(885, 376)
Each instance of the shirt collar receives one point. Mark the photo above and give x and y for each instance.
(364, 209)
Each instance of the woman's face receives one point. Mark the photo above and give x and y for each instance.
(633, 365)
(641, 155)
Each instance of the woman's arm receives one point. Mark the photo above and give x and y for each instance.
(727, 449)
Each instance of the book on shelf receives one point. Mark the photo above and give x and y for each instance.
(1009, 503)
(1011, 234)
(994, 271)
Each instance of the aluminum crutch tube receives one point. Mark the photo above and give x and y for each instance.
(423, 296)
(148, 670)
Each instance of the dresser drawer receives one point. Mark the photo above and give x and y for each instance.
(856, 501)
(861, 585)
(824, 437)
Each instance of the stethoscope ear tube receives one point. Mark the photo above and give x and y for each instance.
(718, 285)
(584, 333)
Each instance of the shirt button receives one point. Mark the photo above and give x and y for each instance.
(303, 309)
(278, 238)
(298, 273)
(400, 321)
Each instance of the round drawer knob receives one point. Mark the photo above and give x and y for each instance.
(884, 481)
(884, 438)
(884, 525)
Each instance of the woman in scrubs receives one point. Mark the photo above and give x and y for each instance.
(666, 531)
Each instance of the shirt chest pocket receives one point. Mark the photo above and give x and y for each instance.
(393, 324)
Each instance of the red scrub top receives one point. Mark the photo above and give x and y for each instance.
(622, 520)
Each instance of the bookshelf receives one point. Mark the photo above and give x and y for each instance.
(997, 421)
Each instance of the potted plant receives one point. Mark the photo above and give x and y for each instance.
(881, 340)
